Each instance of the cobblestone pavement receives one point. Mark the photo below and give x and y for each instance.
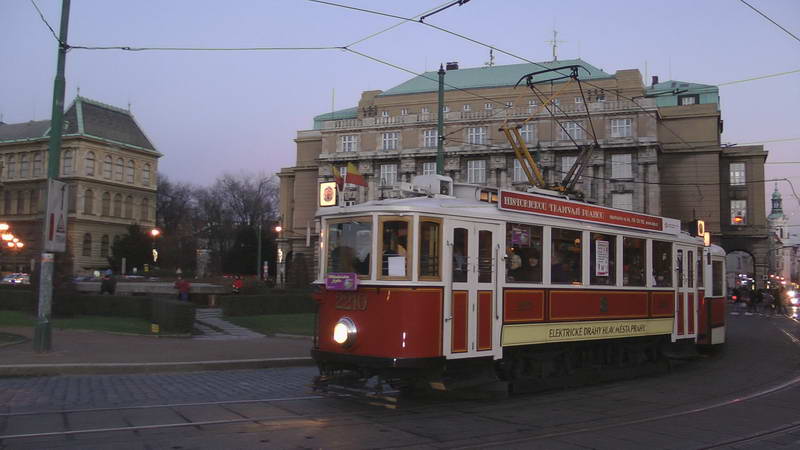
(96, 391)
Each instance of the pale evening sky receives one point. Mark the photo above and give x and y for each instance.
(220, 111)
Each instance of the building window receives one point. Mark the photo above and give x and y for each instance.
(87, 245)
(105, 207)
(621, 165)
(509, 104)
(531, 105)
(566, 163)
(11, 167)
(467, 108)
(738, 174)
(20, 202)
(107, 167)
(430, 138)
(104, 246)
(622, 201)
(384, 113)
(424, 110)
(446, 109)
(519, 174)
(574, 129)
(37, 164)
(129, 207)
(476, 171)
(685, 100)
(621, 127)
(130, 172)
(145, 209)
(7, 202)
(88, 202)
(119, 168)
(429, 168)
(476, 135)
(89, 164)
(404, 112)
(528, 132)
(488, 106)
(738, 212)
(34, 201)
(601, 97)
(349, 143)
(118, 205)
(578, 99)
(146, 175)
(24, 166)
(391, 140)
(69, 165)
(388, 174)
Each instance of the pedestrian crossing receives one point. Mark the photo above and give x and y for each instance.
(214, 328)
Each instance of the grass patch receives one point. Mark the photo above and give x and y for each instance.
(301, 324)
(132, 325)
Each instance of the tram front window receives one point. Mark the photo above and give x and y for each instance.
(350, 246)
(567, 257)
(523, 253)
(603, 259)
(394, 247)
(662, 264)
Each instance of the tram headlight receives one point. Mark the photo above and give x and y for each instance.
(344, 332)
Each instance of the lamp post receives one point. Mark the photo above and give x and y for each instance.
(154, 233)
(280, 274)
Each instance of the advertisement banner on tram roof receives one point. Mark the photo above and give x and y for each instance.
(553, 207)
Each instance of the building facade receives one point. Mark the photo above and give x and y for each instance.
(655, 143)
(110, 166)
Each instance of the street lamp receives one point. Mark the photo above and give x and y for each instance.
(155, 232)
(4, 226)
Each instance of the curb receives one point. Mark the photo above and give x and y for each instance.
(27, 370)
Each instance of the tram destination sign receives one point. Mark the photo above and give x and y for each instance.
(553, 207)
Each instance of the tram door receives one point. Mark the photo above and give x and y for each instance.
(685, 292)
(471, 319)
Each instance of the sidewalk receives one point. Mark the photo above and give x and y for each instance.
(98, 352)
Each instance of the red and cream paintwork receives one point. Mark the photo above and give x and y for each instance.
(405, 321)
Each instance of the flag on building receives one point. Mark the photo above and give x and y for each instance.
(337, 176)
(354, 176)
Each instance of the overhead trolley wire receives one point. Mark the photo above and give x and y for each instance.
(767, 17)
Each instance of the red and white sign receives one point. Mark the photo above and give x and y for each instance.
(548, 206)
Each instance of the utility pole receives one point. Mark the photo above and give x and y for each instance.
(42, 339)
(440, 126)
(258, 262)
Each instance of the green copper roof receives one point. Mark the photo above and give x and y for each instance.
(666, 93)
(486, 77)
(347, 113)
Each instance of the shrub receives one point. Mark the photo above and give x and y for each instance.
(18, 300)
(276, 302)
(102, 305)
(172, 316)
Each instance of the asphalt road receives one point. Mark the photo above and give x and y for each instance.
(747, 396)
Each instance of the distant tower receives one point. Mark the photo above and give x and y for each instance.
(776, 219)
(554, 42)
(777, 223)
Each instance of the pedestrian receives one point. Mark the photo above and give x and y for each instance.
(108, 283)
(183, 286)
(780, 302)
(237, 284)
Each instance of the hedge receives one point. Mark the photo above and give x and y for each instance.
(172, 316)
(272, 303)
(17, 300)
(102, 305)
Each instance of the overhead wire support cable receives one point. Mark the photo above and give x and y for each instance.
(767, 17)
(456, 2)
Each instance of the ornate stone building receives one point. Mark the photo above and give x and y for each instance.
(110, 166)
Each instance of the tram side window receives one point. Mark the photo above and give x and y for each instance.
(485, 257)
(430, 247)
(523, 253)
(716, 278)
(662, 264)
(460, 255)
(634, 254)
(690, 270)
(567, 258)
(350, 246)
(602, 264)
(394, 248)
(700, 267)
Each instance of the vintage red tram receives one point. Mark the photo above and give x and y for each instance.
(514, 286)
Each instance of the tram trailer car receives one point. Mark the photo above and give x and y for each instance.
(484, 285)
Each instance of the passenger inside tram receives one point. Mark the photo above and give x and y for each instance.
(567, 256)
(395, 243)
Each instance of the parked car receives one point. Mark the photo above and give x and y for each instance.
(16, 278)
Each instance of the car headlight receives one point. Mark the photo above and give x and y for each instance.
(344, 332)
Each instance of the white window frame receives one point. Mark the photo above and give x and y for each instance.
(509, 104)
(622, 200)
(488, 106)
(390, 140)
(739, 206)
(518, 174)
(430, 138)
(601, 97)
(738, 174)
(476, 135)
(429, 168)
(578, 100)
(69, 162)
(476, 171)
(384, 113)
(621, 166)
(424, 110)
(467, 107)
(404, 111)
(388, 175)
(621, 128)
(528, 132)
(348, 143)
(446, 109)
(574, 128)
